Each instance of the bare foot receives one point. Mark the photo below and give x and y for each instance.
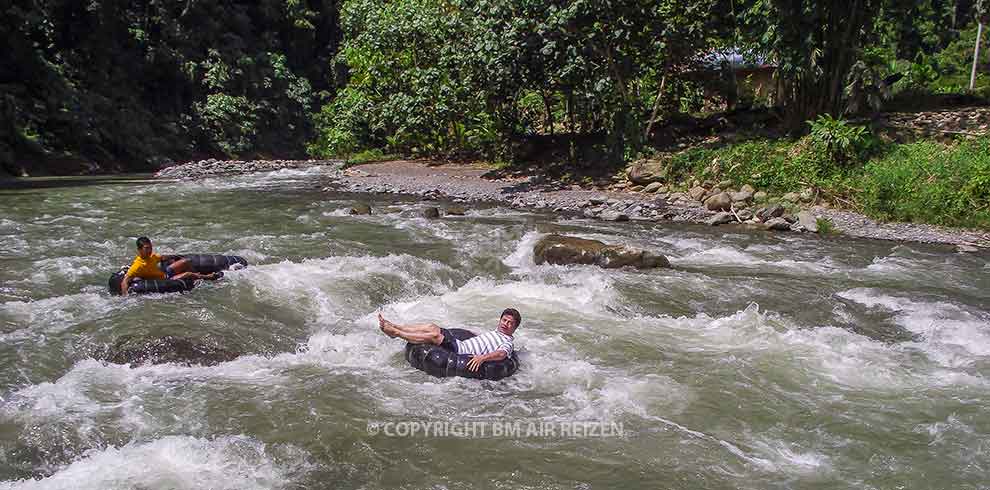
(387, 327)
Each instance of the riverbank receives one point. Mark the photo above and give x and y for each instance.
(461, 182)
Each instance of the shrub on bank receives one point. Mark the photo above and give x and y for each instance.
(930, 182)
(924, 181)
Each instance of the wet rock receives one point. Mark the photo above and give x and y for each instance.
(454, 211)
(360, 209)
(807, 221)
(719, 202)
(721, 219)
(789, 218)
(744, 214)
(647, 171)
(167, 349)
(430, 213)
(565, 250)
(777, 224)
(614, 216)
(967, 248)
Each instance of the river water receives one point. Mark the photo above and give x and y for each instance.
(757, 361)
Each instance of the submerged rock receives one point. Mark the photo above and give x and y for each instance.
(360, 209)
(565, 250)
(161, 350)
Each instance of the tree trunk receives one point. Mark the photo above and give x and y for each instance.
(656, 107)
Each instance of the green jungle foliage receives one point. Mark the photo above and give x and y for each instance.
(127, 84)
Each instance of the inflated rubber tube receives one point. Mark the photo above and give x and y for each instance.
(201, 263)
(148, 286)
(437, 361)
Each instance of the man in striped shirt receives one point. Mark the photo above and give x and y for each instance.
(490, 346)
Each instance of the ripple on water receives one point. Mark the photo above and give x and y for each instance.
(180, 462)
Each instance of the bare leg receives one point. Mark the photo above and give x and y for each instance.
(414, 334)
(180, 266)
(194, 276)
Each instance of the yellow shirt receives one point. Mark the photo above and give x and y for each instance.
(146, 269)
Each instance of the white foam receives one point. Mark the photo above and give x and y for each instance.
(180, 462)
(953, 336)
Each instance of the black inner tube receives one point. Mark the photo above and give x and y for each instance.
(437, 361)
(201, 263)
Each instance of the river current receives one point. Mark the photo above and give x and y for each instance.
(757, 361)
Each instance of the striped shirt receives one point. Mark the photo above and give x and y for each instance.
(485, 343)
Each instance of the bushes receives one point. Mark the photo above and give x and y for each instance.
(932, 183)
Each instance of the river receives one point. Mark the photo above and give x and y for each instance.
(757, 361)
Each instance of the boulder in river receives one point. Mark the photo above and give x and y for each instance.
(614, 216)
(454, 211)
(565, 250)
(430, 213)
(777, 224)
(360, 209)
(769, 212)
(161, 350)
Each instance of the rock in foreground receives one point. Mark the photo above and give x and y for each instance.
(565, 250)
(129, 350)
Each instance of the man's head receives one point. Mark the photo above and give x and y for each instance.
(144, 247)
(509, 321)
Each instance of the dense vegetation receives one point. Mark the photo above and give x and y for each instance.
(131, 83)
(594, 83)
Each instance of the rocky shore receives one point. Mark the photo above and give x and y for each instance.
(709, 203)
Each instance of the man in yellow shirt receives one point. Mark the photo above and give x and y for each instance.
(149, 265)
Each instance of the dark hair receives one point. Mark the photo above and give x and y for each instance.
(514, 313)
(141, 241)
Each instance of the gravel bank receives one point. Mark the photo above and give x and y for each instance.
(465, 183)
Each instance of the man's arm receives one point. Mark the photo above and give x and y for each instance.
(123, 284)
(477, 361)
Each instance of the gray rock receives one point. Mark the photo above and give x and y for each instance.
(565, 250)
(719, 202)
(760, 197)
(744, 214)
(807, 221)
(742, 196)
(652, 188)
(430, 213)
(777, 224)
(748, 188)
(792, 197)
(789, 218)
(771, 211)
(454, 211)
(614, 216)
(647, 171)
(721, 219)
(967, 248)
(697, 193)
